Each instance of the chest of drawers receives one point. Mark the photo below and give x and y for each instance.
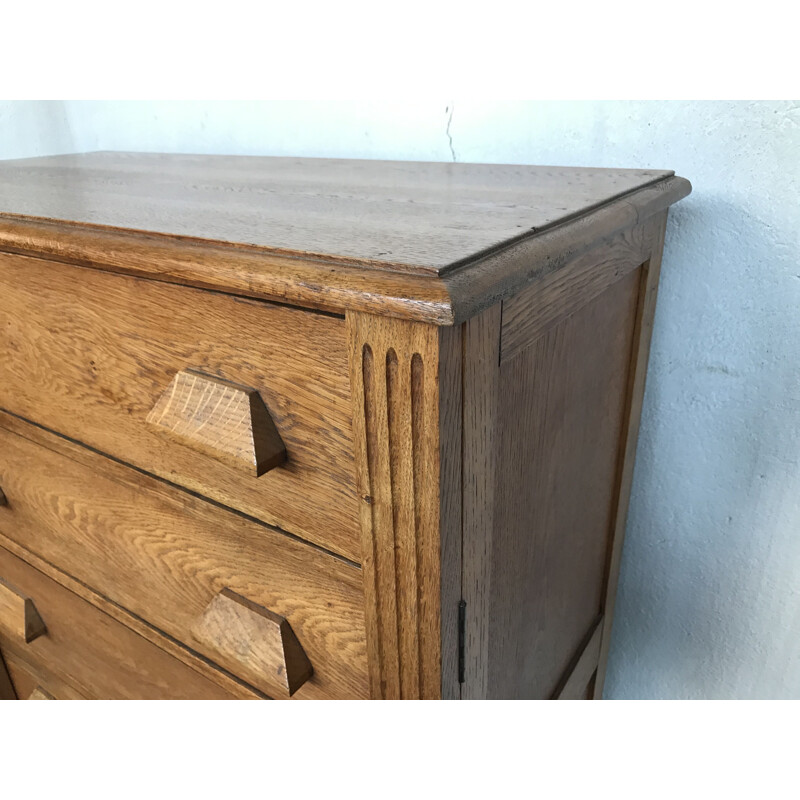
(312, 428)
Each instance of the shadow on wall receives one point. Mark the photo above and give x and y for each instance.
(709, 583)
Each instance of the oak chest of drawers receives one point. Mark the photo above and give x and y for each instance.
(310, 428)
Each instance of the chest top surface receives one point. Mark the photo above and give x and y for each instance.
(352, 217)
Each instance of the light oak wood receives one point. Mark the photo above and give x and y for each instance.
(577, 681)
(88, 354)
(7, 691)
(256, 643)
(18, 614)
(396, 374)
(380, 214)
(436, 243)
(637, 374)
(40, 694)
(28, 677)
(164, 556)
(93, 654)
(220, 418)
(416, 481)
(233, 686)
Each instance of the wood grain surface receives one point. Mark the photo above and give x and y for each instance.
(21, 682)
(255, 642)
(435, 242)
(40, 694)
(95, 655)
(164, 555)
(396, 375)
(546, 302)
(423, 216)
(480, 474)
(88, 354)
(542, 440)
(18, 614)
(28, 677)
(221, 419)
(233, 686)
(7, 686)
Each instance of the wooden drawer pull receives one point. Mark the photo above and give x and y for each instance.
(220, 419)
(262, 642)
(18, 614)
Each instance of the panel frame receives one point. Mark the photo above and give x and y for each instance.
(506, 330)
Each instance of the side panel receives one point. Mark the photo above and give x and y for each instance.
(548, 455)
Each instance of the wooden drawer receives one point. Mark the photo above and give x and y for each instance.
(90, 354)
(82, 652)
(221, 583)
(33, 682)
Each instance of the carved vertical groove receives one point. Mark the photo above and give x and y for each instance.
(394, 370)
(417, 432)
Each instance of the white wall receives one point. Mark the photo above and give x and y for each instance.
(709, 603)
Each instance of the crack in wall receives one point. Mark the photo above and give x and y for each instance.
(450, 109)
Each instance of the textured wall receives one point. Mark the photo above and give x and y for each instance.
(709, 602)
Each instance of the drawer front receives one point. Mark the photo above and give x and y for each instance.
(94, 356)
(30, 682)
(264, 606)
(82, 652)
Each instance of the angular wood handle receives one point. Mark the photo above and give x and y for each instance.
(220, 419)
(18, 614)
(254, 642)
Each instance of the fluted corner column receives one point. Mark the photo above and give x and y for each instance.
(406, 390)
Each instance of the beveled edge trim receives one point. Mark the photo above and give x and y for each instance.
(497, 277)
(458, 293)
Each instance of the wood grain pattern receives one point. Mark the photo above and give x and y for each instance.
(389, 214)
(579, 674)
(501, 275)
(450, 504)
(7, 690)
(546, 302)
(27, 677)
(18, 614)
(489, 461)
(40, 694)
(256, 643)
(92, 653)
(637, 374)
(163, 555)
(88, 354)
(234, 687)
(543, 432)
(395, 375)
(481, 438)
(464, 238)
(220, 418)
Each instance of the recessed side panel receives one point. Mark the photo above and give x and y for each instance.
(562, 404)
